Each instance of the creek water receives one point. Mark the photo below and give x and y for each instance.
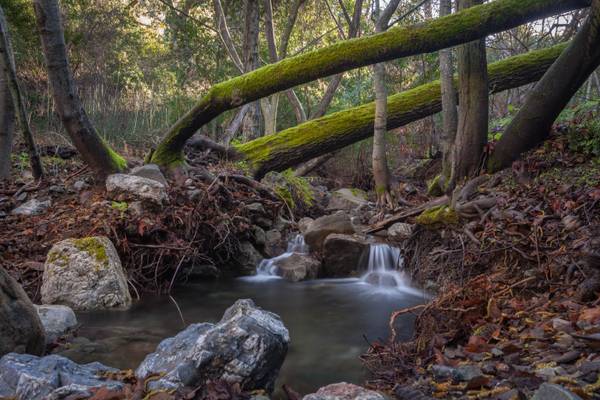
(330, 321)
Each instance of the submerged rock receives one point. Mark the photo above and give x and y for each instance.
(21, 330)
(320, 228)
(347, 199)
(122, 187)
(247, 346)
(57, 320)
(344, 255)
(27, 377)
(297, 267)
(150, 171)
(32, 207)
(85, 274)
(344, 391)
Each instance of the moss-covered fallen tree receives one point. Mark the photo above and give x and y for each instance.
(462, 27)
(320, 136)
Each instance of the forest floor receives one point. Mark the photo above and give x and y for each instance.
(517, 284)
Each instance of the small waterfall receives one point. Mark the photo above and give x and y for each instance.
(385, 267)
(267, 268)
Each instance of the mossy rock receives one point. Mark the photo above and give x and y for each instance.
(440, 215)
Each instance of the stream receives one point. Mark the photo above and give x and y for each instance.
(331, 321)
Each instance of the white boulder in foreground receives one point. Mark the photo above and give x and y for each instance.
(122, 187)
(85, 274)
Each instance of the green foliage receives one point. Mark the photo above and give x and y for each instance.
(441, 215)
(294, 190)
(586, 139)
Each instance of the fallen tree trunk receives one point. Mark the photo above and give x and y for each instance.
(547, 100)
(465, 26)
(334, 131)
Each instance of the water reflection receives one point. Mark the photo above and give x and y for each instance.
(330, 322)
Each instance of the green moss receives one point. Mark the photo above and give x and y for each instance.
(434, 187)
(119, 206)
(336, 130)
(94, 247)
(56, 255)
(443, 215)
(359, 193)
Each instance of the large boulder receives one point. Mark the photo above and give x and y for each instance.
(122, 187)
(85, 274)
(246, 347)
(400, 231)
(246, 259)
(347, 199)
(20, 327)
(27, 377)
(150, 171)
(57, 320)
(344, 255)
(297, 267)
(344, 391)
(322, 227)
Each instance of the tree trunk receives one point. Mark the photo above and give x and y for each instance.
(462, 27)
(94, 151)
(337, 130)
(252, 120)
(10, 74)
(7, 128)
(449, 111)
(550, 96)
(473, 97)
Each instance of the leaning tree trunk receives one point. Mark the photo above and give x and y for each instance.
(10, 73)
(337, 130)
(449, 111)
(551, 95)
(94, 151)
(251, 127)
(7, 128)
(462, 27)
(473, 97)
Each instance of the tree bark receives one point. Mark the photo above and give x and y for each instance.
(473, 97)
(251, 127)
(10, 74)
(7, 128)
(449, 111)
(94, 151)
(381, 173)
(550, 96)
(337, 130)
(462, 27)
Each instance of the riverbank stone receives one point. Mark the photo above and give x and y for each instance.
(344, 255)
(150, 171)
(57, 320)
(85, 274)
(123, 187)
(27, 377)
(344, 391)
(297, 267)
(347, 199)
(21, 330)
(32, 207)
(319, 229)
(247, 347)
(549, 391)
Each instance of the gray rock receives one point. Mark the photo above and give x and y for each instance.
(297, 267)
(344, 391)
(57, 189)
(466, 373)
(347, 199)
(27, 377)
(304, 223)
(85, 274)
(274, 243)
(247, 258)
(260, 236)
(121, 187)
(150, 171)
(548, 391)
(57, 320)
(256, 208)
(80, 185)
(400, 231)
(247, 347)
(344, 255)
(20, 327)
(32, 207)
(322, 227)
